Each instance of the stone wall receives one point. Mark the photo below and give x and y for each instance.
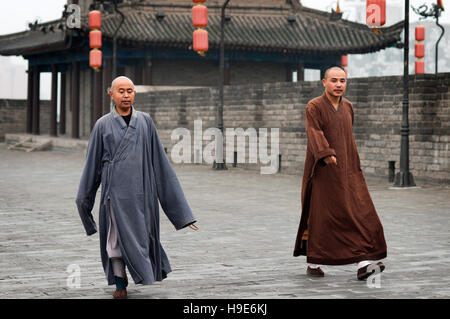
(14, 114)
(378, 112)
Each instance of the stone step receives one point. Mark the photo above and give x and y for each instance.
(29, 146)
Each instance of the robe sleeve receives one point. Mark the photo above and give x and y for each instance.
(317, 141)
(169, 189)
(352, 112)
(90, 180)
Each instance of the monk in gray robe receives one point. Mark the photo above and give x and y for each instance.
(339, 224)
(126, 157)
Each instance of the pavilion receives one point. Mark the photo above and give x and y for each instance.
(265, 41)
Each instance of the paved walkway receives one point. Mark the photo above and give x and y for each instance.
(248, 224)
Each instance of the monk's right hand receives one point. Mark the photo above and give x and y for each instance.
(330, 160)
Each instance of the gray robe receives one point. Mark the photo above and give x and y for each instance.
(134, 171)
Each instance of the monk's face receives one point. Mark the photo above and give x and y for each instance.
(122, 93)
(335, 82)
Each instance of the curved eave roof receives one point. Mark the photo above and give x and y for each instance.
(311, 33)
(307, 34)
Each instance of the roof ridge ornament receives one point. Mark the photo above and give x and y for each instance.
(336, 15)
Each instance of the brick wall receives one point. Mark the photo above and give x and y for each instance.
(378, 111)
(206, 72)
(14, 113)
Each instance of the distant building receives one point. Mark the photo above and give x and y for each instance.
(265, 41)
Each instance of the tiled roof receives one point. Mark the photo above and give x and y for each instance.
(307, 34)
(32, 41)
(312, 32)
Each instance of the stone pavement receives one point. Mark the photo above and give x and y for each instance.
(243, 249)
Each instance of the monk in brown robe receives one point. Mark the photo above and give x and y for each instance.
(339, 224)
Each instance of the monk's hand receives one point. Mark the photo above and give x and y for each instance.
(193, 227)
(330, 160)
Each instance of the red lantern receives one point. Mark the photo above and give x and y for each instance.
(198, 1)
(376, 13)
(200, 16)
(201, 41)
(344, 60)
(419, 49)
(95, 39)
(95, 19)
(95, 59)
(420, 67)
(420, 33)
(440, 4)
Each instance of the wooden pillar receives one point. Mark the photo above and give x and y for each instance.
(138, 75)
(322, 73)
(62, 105)
(300, 72)
(289, 72)
(147, 76)
(29, 119)
(36, 101)
(98, 94)
(53, 101)
(121, 71)
(75, 100)
(107, 79)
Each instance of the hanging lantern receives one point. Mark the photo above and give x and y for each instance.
(200, 20)
(420, 33)
(344, 60)
(95, 59)
(420, 67)
(419, 49)
(95, 39)
(201, 41)
(376, 14)
(95, 19)
(440, 5)
(200, 16)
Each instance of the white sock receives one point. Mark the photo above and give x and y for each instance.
(313, 266)
(363, 263)
(118, 266)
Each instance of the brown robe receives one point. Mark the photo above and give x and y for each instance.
(339, 224)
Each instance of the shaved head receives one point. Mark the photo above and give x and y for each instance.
(122, 94)
(121, 79)
(333, 68)
(335, 83)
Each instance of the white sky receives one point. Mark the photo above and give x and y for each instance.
(326, 5)
(15, 16)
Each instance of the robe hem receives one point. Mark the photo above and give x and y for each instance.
(346, 261)
(142, 282)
